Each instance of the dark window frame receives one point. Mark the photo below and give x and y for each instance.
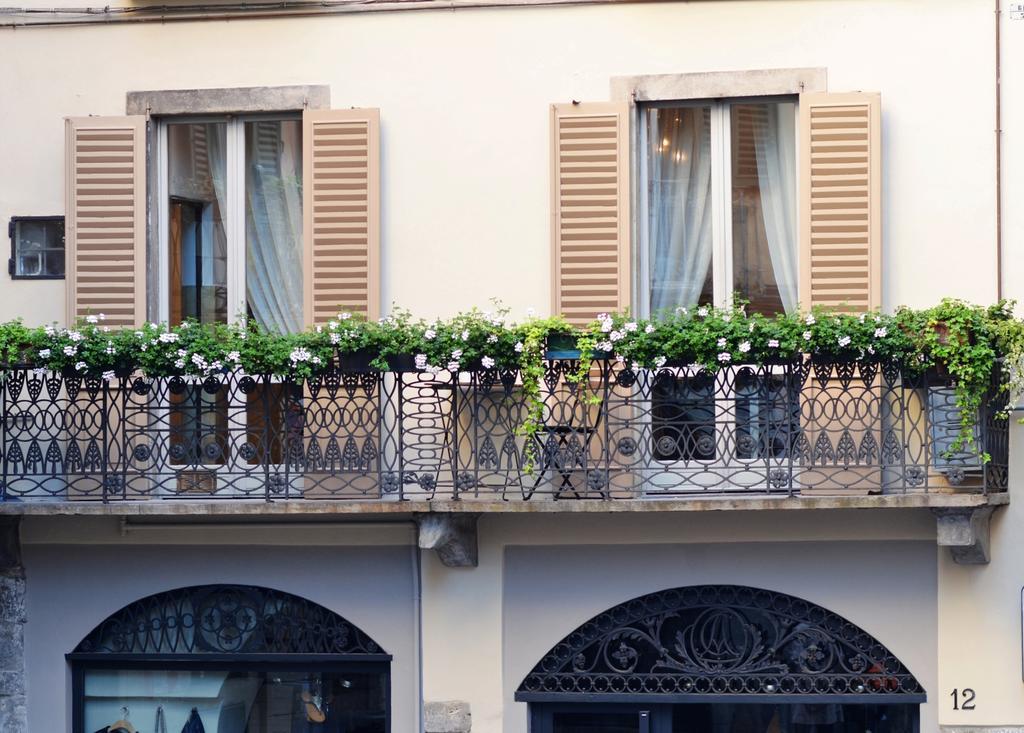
(336, 663)
(12, 228)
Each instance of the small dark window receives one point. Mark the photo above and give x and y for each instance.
(37, 247)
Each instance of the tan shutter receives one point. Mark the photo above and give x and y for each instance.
(840, 201)
(590, 209)
(106, 218)
(341, 222)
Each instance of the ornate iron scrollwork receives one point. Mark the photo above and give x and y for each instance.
(226, 619)
(718, 640)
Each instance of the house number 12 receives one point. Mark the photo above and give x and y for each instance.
(963, 699)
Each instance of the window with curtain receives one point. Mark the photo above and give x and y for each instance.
(232, 243)
(719, 205)
(718, 221)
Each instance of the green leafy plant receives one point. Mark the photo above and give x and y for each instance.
(960, 343)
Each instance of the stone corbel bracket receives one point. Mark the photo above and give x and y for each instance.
(965, 531)
(452, 536)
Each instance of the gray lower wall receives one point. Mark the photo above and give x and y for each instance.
(888, 588)
(72, 588)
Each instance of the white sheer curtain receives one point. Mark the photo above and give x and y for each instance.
(680, 205)
(775, 143)
(273, 224)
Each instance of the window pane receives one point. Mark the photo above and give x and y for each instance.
(806, 717)
(39, 248)
(679, 210)
(764, 245)
(273, 223)
(596, 722)
(683, 417)
(197, 238)
(236, 701)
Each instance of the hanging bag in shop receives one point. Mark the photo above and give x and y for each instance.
(194, 724)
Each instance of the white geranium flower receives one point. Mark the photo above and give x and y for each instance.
(44, 353)
(725, 357)
(234, 356)
(80, 366)
(660, 361)
(457, 354)
(492, 339)
(300, 354)
(92, 319)
(465, 335)
(430, 334)
(70, 351)
(74, 335)
(453, 366)
(810, 320)
(845, 340)
(773, 343)
(317, 360)
(880, 333)
(726, 317)
(807, 335)
(519, 347)
(871, 350)
(721, 343)
(168, 337)
(616, 335)
(344, 316)
(648, 328)
(179, 364)
(50, 330)
(335, 339)
(606, 325)
(487, 362)
(139, 335)
(631, 326)
(703, 311)
(605, 346)
(745, 347)
(421, 361)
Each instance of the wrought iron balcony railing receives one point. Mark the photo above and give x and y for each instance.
(800, 428)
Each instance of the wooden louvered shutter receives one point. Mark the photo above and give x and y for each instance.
(590, 209)
(106, 218)
(840, 201)
(341, 222)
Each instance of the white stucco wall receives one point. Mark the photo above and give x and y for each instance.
(980, 610)
(464, 102)
(72, 588)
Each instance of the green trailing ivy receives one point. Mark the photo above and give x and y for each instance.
(960, 343)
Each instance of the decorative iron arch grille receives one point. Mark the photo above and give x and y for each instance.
(227, 619)
(717, 641)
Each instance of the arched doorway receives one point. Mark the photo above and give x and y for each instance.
(720, 659)
(235, 658)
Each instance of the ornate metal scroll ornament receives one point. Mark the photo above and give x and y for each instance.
(718, 640)
(226, 619)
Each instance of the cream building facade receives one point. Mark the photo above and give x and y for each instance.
(464, 111)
